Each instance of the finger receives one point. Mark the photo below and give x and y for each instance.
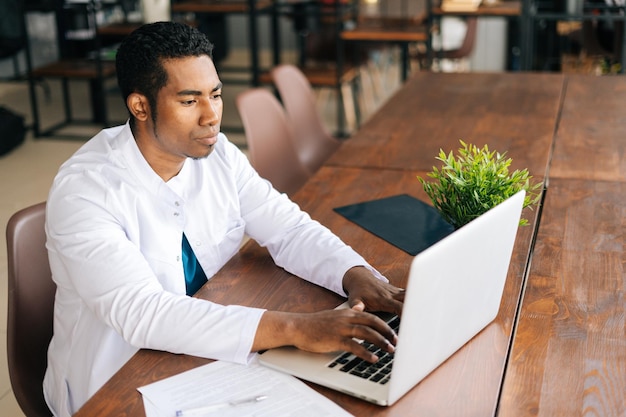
(396, 302)
(389, 305)
(396, 306)
(370, 335)
(374, 330)
(357, 305)
(361, 351)
(400, 295)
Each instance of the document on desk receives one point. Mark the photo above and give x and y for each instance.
(227, 389)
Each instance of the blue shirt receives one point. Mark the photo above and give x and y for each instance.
(194, 275)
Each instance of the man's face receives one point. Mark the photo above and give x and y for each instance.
(189, 109)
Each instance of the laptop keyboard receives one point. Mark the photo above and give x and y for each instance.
(376, 372)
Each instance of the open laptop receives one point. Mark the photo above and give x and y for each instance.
(454, 290)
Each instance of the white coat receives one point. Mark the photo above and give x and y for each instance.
(114, 232)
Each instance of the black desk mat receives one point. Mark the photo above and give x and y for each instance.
(402, 220)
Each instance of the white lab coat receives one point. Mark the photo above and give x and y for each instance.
(114, 232)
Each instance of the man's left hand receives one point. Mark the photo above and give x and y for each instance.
(366, 292)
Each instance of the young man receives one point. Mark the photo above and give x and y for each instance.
(143, 213)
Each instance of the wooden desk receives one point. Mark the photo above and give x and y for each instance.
(219, 6)
(473, 374)
(504, 8)
(118, 30)
(569, 352)
(590, 140)
(513, 112)
(567, 346)
(395, 31)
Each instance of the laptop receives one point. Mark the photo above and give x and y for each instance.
(453, 292)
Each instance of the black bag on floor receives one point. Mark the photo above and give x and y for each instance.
(12, 130)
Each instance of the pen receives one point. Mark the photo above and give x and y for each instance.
(213, 407)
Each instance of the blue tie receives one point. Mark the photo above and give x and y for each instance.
(194, 275)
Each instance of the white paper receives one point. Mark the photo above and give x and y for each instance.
(221, 382)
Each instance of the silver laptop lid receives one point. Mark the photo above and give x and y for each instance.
(454, 290)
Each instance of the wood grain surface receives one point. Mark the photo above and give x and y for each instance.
(558, 344)
(569, 353)
(472, 375)
(591, 137)
(512, 112)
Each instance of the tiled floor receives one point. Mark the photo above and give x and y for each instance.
(26, 173)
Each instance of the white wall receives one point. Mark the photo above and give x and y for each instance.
(490, 51)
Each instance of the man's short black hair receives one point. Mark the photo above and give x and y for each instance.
(139, 59)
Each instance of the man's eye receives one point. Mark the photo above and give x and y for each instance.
(188, 102)
(216, 96)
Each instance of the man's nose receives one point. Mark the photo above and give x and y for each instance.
(210, 113)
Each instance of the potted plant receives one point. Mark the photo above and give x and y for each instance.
(472, 182)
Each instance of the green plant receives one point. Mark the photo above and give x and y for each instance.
(474, 181)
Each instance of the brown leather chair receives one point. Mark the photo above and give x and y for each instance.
(312, 140)
(31, 301)
(270, 140)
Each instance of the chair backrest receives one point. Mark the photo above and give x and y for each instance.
(313, 143)
(30, 308)
(469, 41)
(270, 140)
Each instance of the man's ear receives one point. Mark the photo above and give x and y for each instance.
(138, 106)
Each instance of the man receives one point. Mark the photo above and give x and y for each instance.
(143, 213)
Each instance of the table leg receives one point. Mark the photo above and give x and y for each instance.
(254, 46)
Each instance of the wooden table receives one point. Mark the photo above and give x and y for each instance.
(506, 8)
(513, 112)
(569, 353)
(590, 141)
(387, 31)
(251, 278)
(558, 345)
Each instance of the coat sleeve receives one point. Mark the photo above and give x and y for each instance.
(296, 242)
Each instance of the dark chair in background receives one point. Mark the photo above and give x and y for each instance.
(12, 33)
(462, 52)
(467, 46)
(30, 308)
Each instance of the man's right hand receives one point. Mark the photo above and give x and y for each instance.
(325, 331)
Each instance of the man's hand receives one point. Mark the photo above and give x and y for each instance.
(335, 330)
(325, 331)
(366, 293)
